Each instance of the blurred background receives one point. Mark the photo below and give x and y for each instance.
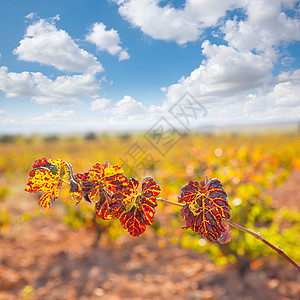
(70, 254)
(176, 90)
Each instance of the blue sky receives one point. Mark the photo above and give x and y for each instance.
(115, 64)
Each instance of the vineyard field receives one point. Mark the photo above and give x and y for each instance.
(68, 253)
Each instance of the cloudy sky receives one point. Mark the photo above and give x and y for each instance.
(77, 65)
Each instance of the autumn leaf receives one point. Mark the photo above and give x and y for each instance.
(46, 176)
(109, 207)
(101, 177)
(112, 205)
(150, 187)
(132, 222)
(206, 206)
(143, 211)
(113, 201)
(43, 164)
(188, 216)
(125, 191)
(226, 236)
(81, 186)
(108, 176)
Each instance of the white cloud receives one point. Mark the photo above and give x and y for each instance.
(286, 94)
(100, 104)
(170, 24)
(281, 102)
(266, 26)
(248, 109)
(45, 44)
(128, 108)
(245, 64)
(4, 120)
(225, 72)
(15, 84)
(30, 16)
(41, 89)
(7, 121)
(55, 116)
(209, 12)
(123, 55)
(235, 80)
(289, 76)
(107, 40)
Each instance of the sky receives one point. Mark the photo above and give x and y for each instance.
(99, 65)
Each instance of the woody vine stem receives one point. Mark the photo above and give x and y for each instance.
(254, 234)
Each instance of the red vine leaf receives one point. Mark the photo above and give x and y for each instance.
(147, 209)
(108, 207)
(46, 176)
(101, 177)
(132, 222)
(150, 187)
(107, 176)
(188, 216)
(226, 237)
(143, 211)
(83, 186)
(113, 203)
(42, 164)
(126, 191)
(133, 185)
(150, 190)
(206, 207)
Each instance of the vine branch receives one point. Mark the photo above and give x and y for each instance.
(142, 212)
(254, 234)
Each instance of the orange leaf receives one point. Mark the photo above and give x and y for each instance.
(206, 207)
(46, 176)
(132, 222)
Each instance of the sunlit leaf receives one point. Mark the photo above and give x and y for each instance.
(216, 194)
(132, 222)
(101, 177)
(109, 176)
(226, 236)
(107, 207)
(133, 184)
(113, 202)
(143, 211)
(150, 188)
(43, 164)
(46, 176)
(83, 186)
(188, 216)
(206, 207)
(125, 190)
(147, 209)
